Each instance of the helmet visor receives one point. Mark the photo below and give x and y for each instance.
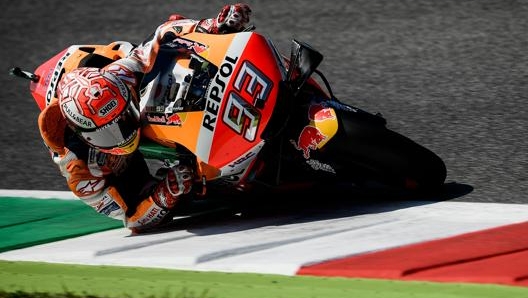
(117, 134)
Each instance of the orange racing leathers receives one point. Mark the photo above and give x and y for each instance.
(121, 186)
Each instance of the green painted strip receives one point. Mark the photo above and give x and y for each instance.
(142, 282)
(26, 222)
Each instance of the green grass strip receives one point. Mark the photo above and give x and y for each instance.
(26, 222)
(109, 281)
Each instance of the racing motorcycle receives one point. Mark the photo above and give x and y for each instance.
(249, 118)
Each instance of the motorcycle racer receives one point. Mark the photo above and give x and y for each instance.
(92, 129)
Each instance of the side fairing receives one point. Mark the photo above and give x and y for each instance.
(240, 97)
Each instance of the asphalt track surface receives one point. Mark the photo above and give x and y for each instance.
(449, 74)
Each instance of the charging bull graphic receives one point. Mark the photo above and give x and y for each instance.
(308, 140)
(173, 119)
(312, 136)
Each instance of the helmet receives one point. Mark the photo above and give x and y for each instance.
(100, 109)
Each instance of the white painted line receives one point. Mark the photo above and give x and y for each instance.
(279, 244)
(37, 194)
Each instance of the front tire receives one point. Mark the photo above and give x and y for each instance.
(364, 149)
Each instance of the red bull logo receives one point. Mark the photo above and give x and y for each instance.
(167, 119)
(199, 48)
(190, 45)
(309, 139)
(173, 119)
(319, 112)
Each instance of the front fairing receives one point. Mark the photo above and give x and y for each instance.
(224, 123)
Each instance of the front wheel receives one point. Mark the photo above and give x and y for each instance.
(365, 150)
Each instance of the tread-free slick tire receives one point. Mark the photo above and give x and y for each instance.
(364, 148)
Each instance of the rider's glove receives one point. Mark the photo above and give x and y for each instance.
(178, 182)
(233, 18)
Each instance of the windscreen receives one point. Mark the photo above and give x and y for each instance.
(177, 83)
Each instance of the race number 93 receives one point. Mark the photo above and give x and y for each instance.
(241, 115)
